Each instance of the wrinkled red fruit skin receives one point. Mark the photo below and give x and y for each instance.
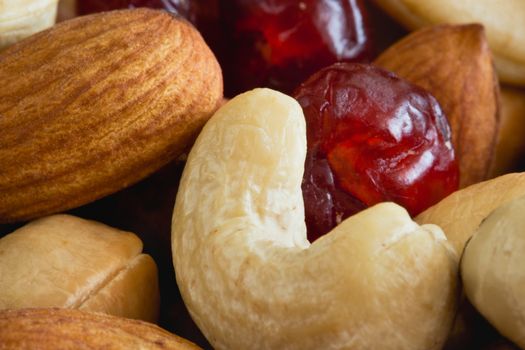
(280, 43)
(371, 137)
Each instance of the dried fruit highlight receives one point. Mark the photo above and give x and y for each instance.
(372, 137)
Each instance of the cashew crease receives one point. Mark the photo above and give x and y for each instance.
(68, 262)
(250, 278)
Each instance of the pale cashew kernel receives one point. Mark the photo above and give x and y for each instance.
(492, 270)
(250, 278)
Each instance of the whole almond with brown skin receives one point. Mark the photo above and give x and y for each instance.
(503, 21)
(454, 63)
(74, 329)
(97, 103)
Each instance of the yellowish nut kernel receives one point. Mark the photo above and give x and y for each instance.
(250, 278)
(64, 261)
(492, 270)
(50, 329)
(97, 103)
(22, 18)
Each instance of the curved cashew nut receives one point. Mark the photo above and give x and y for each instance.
(492, 270)
(247, 273)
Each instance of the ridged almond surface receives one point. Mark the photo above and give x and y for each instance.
(460, 214)
(72, 329)
(94, 104)
(503, 21)
(454, 63)
(65, 261)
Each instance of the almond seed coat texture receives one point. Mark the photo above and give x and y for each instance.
(73, 329)
(97, 103)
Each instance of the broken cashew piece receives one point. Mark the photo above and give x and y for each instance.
(492, 270)
(250, 278)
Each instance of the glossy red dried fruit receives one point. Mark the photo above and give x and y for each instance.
(279, 43)
(372, 137)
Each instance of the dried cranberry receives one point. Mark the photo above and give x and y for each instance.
(279, 43)
(372, 137)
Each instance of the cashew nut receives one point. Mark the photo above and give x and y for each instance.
(460, 213)
(68, 262)
(492, 270)
(250, 278)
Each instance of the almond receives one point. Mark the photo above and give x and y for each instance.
(454, 63)
(67, 9)
(503, 21)
(73, 329)
(97, 103)
(492, 270)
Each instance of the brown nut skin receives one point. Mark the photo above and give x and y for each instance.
(97, 103)
(503, 21)
(64, 261)
(73, 329)
(454, 63)
(22, 18)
